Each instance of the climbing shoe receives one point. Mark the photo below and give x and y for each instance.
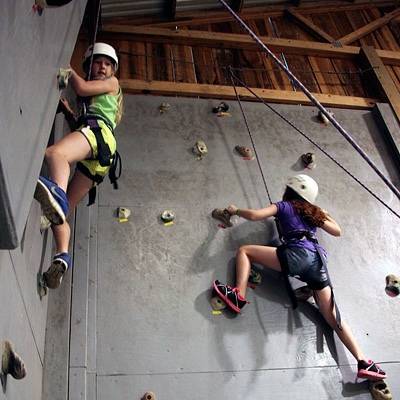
(230, 295)
(11, 362)
(369, 370)
(58, 268)
(52, 199)
(223, 216)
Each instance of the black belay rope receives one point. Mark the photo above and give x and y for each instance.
(315, 102)
(308, 138)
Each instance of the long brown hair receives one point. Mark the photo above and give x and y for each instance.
(312, 214)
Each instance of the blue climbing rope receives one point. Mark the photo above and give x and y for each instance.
(315, 102)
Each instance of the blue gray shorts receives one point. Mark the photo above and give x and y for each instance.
(306, 265)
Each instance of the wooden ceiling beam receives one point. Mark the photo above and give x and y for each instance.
(365, 30)
(162, 88)
(239, 41)
(309, 26)
(379, 77)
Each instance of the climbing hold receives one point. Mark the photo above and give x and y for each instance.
(308, 158)
(62, 78)
(323, 117)
(243, 151)
(44, 223)
(217, 303)
(42, 287)
(167, 216)
(123, 212)
(149, 396)
(11, 362)
(392, 285)
(164, 107)
(255, 276)
(380, 390)
(303, 293)
(200, 148)
(40, 4)
(222, 107)
(223, 216)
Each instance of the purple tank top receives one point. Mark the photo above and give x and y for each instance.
(291, 221)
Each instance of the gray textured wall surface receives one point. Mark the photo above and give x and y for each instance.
(33, 48)
(147, 317)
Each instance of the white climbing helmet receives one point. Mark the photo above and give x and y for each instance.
(101, 49)
(304, 186)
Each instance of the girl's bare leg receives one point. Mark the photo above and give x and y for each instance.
(327, 308)
(77, 190)
(72, 148)
(264, 255)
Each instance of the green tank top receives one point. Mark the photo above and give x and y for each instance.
(105, 106)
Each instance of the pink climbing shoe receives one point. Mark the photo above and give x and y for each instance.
(371, 371)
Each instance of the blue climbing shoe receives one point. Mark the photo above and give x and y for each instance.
(52, 199)
(58, 268)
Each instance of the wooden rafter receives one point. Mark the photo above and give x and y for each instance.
(309, 26)
(365, 30)
(241, 41)
(380, 78)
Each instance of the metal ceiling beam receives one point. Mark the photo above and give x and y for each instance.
(237, 5)
(170, 9)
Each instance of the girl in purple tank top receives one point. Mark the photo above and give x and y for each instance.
(298, 220)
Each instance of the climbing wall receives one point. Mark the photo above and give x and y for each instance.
(34, 48)
(147, 323)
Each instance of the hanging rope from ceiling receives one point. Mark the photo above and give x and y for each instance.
(315, 102)
(233, 78)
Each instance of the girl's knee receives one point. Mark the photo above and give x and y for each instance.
(243, 249)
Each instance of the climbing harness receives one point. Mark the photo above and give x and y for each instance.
(317, 104)
(104, 156)
(281, 253)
